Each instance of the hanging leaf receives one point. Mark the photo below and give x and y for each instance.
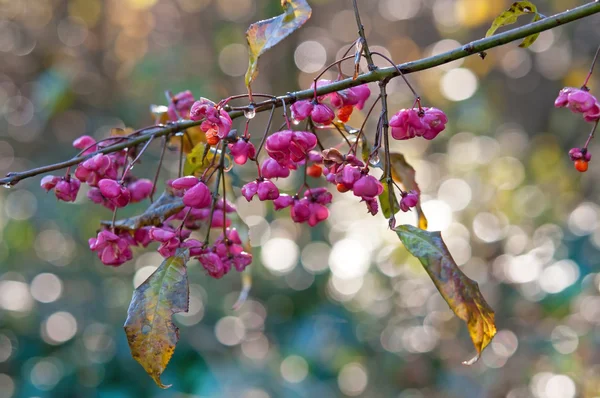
(157, 213)
(384, 200)
(461, 293)
(404, 173)
(263, 35)
(529, 40)
(511, 15)
(151, 333)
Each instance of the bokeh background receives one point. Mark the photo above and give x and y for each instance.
(339, 310)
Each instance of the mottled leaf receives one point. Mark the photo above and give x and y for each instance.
(384, 200)
(263, 35)
(150, 331)
(404, 173)
(529, 40)
(461, 293)
(157, 213)
(511, 15)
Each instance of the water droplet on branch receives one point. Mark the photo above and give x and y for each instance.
(250, 112)
(374, 160)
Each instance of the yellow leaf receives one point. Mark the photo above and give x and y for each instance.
(461, 293)
(201, 158)
(150, 331)
(404, 173)
(263, 35)
(511, 15)
(529, 40)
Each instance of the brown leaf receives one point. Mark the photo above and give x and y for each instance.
(263, 35)
(404, 173)
(156, 214)
(150, 331)
(461, 293)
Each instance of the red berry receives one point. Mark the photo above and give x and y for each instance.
(342, 188)
(314, 171)
(345, 112)
(212, 139)
(581, 165)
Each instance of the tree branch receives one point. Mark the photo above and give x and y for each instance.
(466, 50)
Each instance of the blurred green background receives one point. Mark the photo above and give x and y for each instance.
(339, 310)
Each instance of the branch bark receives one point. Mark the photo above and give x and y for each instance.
(381, 74)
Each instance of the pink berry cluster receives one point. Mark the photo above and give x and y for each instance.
(112, 185)
(580, 100)
(101, 174)
(422, 122)
(216, 123)
(343, 101)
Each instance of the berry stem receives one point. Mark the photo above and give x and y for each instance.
(387, 169)
(587, 79)
(362, 127)
(139, 155)
(266, 134)
(216, 193)
(589, 139)
(158, 168)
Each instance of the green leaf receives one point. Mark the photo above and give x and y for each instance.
(263, 35)
(150, 331)
(404, 173)
(511, 15)
(200, 158)
(461, 293)
(384, 200)
(157, 213)
(529, 40)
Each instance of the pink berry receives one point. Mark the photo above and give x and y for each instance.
(181, 103)
(49, 182)
(271, 169)
(301, 109)
(322, 114)
(85, 142)
(410, 199)
(367, 187)
(109, 188)
(186, 182)
(67, 189)
(241, 150)
(198, 197)
(267, 190)
(249, 190)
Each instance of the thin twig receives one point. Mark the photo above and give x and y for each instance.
(363, 39)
